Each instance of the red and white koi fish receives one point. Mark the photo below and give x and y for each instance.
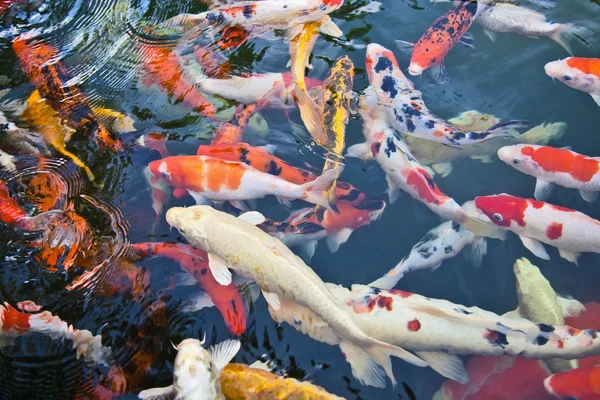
(403, 171)
(509, 18)
(437, 41)
(406, 110)
(212, 179)
(580, 384)
(437, 330)
(196, 262)
(534, 221)
(579, 73)
(555, 166)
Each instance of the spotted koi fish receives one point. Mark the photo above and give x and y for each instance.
(403, 171)
(580, 384)
(212, 179)
(437, 330)
(578, 73)
(227, 299)
(534, 221)
(407, 112)
(555, 166)
(437, 41)
(40, 63)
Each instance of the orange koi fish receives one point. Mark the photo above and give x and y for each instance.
(440, 38)
(12, 213)
(227, 299)
(211, 179)
(40, 63)
(232, 132)
(578, 73)
(580, 384)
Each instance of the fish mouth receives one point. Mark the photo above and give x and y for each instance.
(173, 216)
(415, 70)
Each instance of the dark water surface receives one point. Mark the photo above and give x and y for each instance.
(100, 41)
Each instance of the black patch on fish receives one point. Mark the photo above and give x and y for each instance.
(234, 306)
(541, 340)
(343, 185)
(248, 11)
(274, 169)
(375, 290)
(415, 98)
(500, 339)
(398, 116)
(388, 85)
(377, 147)
(451, 31)
(410, 111)
(455, 226)
(383, 64)
(370, 204)
(216, 17)
(351, 196)
(390, 147)
(425, 253)
(430, 124)
(410, 126)
(471, 7)
(243, 156)
(429, 236)
(591, 333)
(546, 328)
(297, 321)
(203, 271)
(462, 311)
(308, 228)
(448, 249)
(430, 181)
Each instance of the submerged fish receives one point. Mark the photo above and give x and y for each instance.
(539, 3)
(536, 222)
(197, 372)
(12, 213)
(509, 18)
(579, 73)
(213, 179)
(283, 276)
(406, 110)
(580, 384)
(555, 166)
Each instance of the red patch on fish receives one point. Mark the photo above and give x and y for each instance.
(10, 211)
(554, 231)
(401, 293)
(510, 208)
(247, 11)
(381, 301)
(13, 319)
(561, 208)
(333, 3)
(232, 37)
(580, 383)
(585, 65)
(551, 159)
(414, 325)
(426, 188)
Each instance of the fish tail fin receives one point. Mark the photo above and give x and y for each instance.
(311, 115)
(364, 369)
(563, 33)
(381, 352)
(503, 128)
(544, 133)
(391, 278)
(313, 191)
(481, 228)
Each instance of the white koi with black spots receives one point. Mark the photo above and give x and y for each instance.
(406, 110)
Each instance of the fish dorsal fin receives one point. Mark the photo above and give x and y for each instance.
(596, 98)
(272, 300)
(166, 393)
(224, 352)
(219, 269)
(253, 217)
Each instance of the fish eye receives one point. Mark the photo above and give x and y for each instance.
(567, 78)
(164, 174)
(498, 217)
(516, 161)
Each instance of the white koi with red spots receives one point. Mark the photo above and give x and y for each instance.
(281, 275)
(406, 110)
(537, 222)
(207, 178)
(197, 372)
(578, 73)
(555, 166)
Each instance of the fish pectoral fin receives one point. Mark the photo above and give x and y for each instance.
(543, 190)
(258, 364)
(224, 352)
(569, 256)
(468, 40)
(166, 393)
(447, 365)
(285, 203)
(197, 303)
(404, 46)
(269, 148)
(439, 74)
(272, 300)
(307, 250)
(361, 151)
(596, 98)
(219, 269)
(536, 247)
(491, 34)
(253, 217)
(240, 205)
(590, 197)
(364, 369)
(570, 307)
(394, 190)
(443, 169)
(184, 279)
(328, 27)
(199, 198)
(336, 239)
(475, 252)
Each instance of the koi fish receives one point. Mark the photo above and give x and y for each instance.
(212, 65)
(438, 330)
(208, 178)
(406, 110)
(241, 382)
(40, 63)
(540, 3)
(232, 132)
(437, 41)
(281, 275)
(539, 303)
(227, 299)
(555, 166)
(403, 171)
(579, 73)
(509, 18)
(537, 222)
(155, 141)
(580, 384)
(439, 244)
(13, 214)
(197, 371)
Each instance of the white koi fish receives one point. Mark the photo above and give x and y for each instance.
(536, 222)
(197, 371)
(406, 110)
(578, 73)
(281, 275)
(539, 3)
(555, 166)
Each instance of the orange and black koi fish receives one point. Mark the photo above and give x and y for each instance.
(40, 63)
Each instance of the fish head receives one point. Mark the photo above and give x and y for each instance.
(160, 169)
(503, 209)
(191, 223)
(519, 157)
(415, 68)
(379, 61)
(194, 369)
(573, 72)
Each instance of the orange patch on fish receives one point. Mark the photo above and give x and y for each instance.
(414, 325)
(13, 319)
(401, 293)
(551, 159)
(426, 189)
(585, 65)
(509, 207)
(10, 211)
(554, 231)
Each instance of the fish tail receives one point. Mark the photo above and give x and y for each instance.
(311, 116)
(381, 352)
(563, 33)
(544, 133)
(503, 128)
(391, 278)
(313, 192)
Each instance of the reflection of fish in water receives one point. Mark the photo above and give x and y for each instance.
(41, 65)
